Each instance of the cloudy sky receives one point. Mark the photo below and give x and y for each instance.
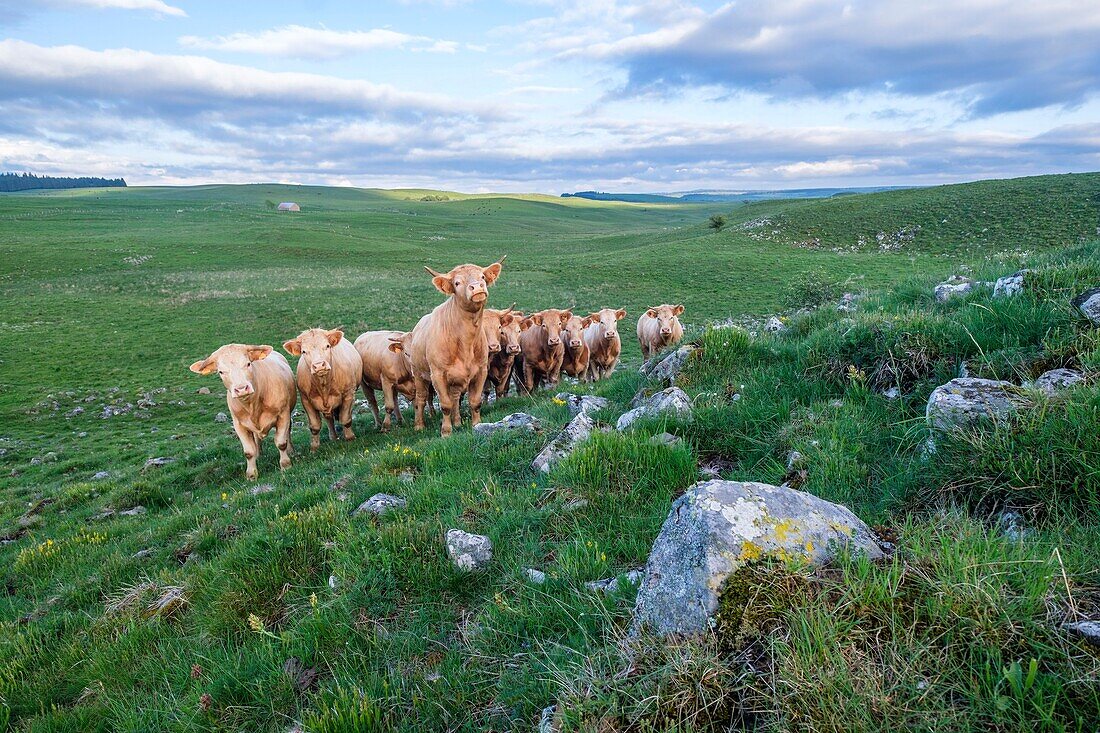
(551, 95)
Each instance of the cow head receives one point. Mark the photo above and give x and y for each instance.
(511, 326)
(573, 331)
(608, 320)
(315, 346)
(498, 325)
(552, 320)
(666, 317)
(468, 284)
(233, 363)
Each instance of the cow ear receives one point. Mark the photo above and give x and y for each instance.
(677, 310)
(335, 336)
(652, 312)
(396, 346)
(506, 319)
(204, 366)
(256, 353)
(620, 314)
(442, 282)
(525, 324)
(293, 347)
(492, 272)
(593, 317)
(586, 321)
(565, 316)
(537, 319)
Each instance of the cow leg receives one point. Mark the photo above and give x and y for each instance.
(314, 419)
(248, 445)
(394, 394)
(530, 377)
(372, 400)
(456, 401)
(423, 394)
(346, 409)
(390, 402)
(282, 439)
(330, 420)
(476, 396)
(447, 403)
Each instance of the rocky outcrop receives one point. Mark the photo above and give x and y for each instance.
(719, 527)
(516, 421)
(380, 504)
(774, 325)
(579, 403)
(1056, 380)
(575, 433)
(469, 551)
(671, 401)
(668, 368)
(965, 401)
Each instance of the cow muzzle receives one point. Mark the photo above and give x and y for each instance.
(494, 348)
(513, 349)
(553, 341)
(575, 343)
(610, 335)
(321, 369)
(666, 331)
(479, 296)
(243, 390)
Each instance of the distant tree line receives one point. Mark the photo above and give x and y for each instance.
(27, 181)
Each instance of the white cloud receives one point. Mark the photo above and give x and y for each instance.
(155, 6)
(297, 41)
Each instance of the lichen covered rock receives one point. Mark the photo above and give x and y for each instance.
(469, 551)
(718, 527)
(575, 433)
(673, 401)
(965, 401)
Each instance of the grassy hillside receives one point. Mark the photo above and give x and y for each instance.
(107, 296)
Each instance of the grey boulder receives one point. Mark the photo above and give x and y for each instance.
(469, 551)
(579, 403)
(668, 368)
(953, 286)
(1089, 303)
(572, 435)
(672, 401)
(1010, 285)
(1057, 380)
(774, 325)
(965, 401)
(719, 527)
(515, 421)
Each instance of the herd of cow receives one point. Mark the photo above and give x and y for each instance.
(459, 348)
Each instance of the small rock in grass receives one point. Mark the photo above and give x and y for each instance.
(101, 475)
(546, 720)
(406, 477)
(202, 390)
(582, 403)
(774, 325)
(670, 366)
(515, 421)
(158, 461)
(953, 286)
(132, 511)
(333, 583)
(668, 401)
(1088, 630)
(666, 439)
(892, 393)
(380, 504)
(221, 417)
(1010, 285)
(142, 554)
(965, 401)
(610, 585)
(535, 576)
(469, 551)
(261, 489)
(574, 504)
(1057, 380)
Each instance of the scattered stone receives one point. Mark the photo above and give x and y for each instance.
(82, 434)
(142, 554)
(469, 551)
(132, 511)
(1088, 303)
(582, 403)
(611, 585)
(515, 421)
(333, 582)
(1010, 285)
(668, 368)
(221, 417)
(953, 286)
(535, 576)
(158, 462)
(202, 390)
(795, 460)
(1012, 525)
(406, 476)
(575, 433)
(74, 412)
(1057, 380)
(574, 504)
(967, 400)
(379, 504)
(546, 720)
(672, 400)
(1087, 630)
(666, 439)
(893, 393)
(101, 476)
(719, 527)
(261, 489)
(774, 325)
(847, 303)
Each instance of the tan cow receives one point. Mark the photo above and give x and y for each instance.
(385, 368)
(541, 349)
(259, 390)
(448, 348)
(659, 328)
(604, 344)
(329, 372)
(575, 360)
(502, 332)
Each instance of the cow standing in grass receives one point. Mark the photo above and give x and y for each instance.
(604, 344)
(502, 331)
(659, 328)
(541, 350)
(385, 367)
(448, 348)
(260, 393)
(577, 354)
(329, 372)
